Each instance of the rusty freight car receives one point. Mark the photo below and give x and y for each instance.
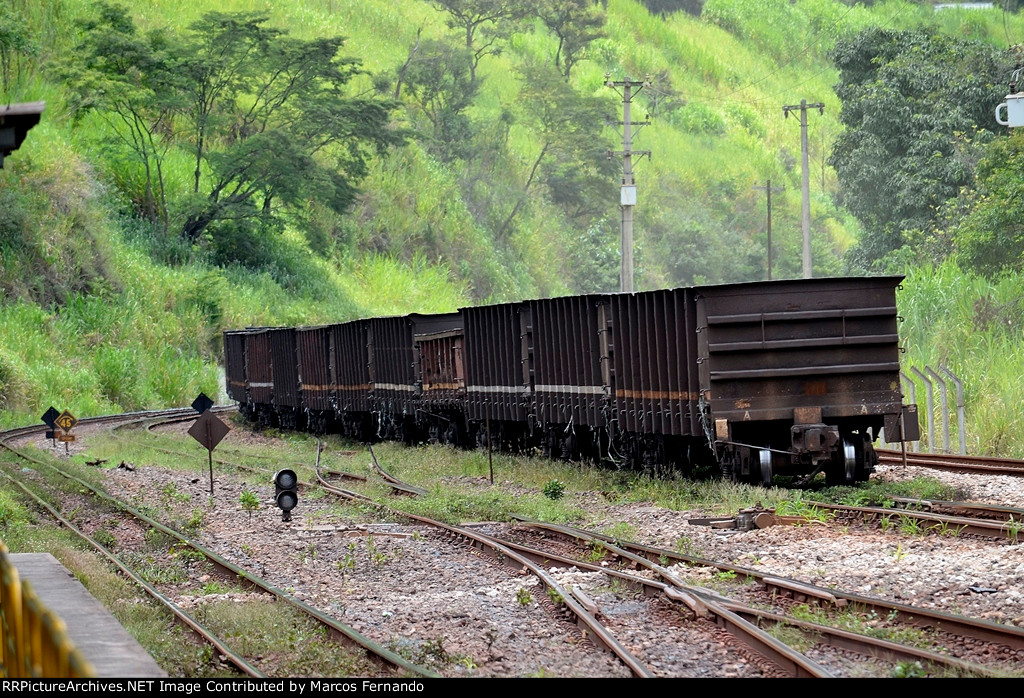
(439, 368)
(755, 379)
(317, 393)
(799, 376)
(499, 381)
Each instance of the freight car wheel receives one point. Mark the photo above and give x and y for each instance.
(867, 459)
(843, 469)
(765, 457)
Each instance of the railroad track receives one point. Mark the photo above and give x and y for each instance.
(974, 510)
(1009, 637)
(395, 664)
(998, 525)
(295, 535)
(983, 465)
(573, 609)
(1001, 641)
(182, 616)
(832, 646)
(664, 606)
(996, 646)
(786, 661)
(570, 605)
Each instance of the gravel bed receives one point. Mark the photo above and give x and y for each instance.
(446, 606)
(970, 576)
(443, 605)
(667, 639)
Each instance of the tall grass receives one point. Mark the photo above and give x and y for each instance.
(125, 317)
(390, 287)
(974, 327)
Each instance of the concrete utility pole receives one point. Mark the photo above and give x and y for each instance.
(805, 184)
(768, 189)
(627, 193)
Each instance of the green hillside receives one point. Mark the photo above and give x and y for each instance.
(495, 186)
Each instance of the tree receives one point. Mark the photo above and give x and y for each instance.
(15, 44)
(226, 66)
(572, 158)
(987, 225)
(592, 261)
(272, 122)
(439, 80)
(266, 116)
(129, 81)
(484, 24)
(908, 98)
(576, 23)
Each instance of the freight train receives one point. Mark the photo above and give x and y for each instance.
(749, 380)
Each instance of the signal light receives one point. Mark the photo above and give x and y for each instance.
(286, 492)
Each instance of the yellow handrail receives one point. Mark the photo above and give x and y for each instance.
(35, 642)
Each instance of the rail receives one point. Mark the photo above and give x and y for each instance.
(35, 642)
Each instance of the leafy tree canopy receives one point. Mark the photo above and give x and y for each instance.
(267, 118)
(15, 43)
(483, 24)
(439, 81)
(989, 233)
(915, 107)
(572, 159)
(575, 23)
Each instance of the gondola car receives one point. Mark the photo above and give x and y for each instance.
(783, 377)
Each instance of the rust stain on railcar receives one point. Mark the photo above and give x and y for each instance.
(443, 386)
(807, 415)
(815, 388)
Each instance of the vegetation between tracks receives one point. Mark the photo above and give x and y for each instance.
(25, 530)
(283, 641)
(457, 481)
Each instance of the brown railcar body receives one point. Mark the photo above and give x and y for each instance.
(792, 377)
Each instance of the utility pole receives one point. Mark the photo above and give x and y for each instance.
(805, 184)
(768, 189)
(627, 193)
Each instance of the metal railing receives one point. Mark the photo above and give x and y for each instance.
(941, 378)
(34, 641)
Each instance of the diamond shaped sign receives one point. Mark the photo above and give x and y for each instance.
(208, 430)
(202, 403)
(66, 421)
(50, 417)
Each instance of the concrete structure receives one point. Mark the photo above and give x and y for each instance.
(95, 632)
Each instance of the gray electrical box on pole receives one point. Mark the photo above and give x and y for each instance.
(627, 193)
(1013, 107)
(805, 184)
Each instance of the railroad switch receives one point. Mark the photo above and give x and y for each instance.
(749, 519)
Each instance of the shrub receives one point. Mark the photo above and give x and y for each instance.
(554, 489)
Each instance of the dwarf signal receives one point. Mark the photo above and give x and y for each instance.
(286, 492)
